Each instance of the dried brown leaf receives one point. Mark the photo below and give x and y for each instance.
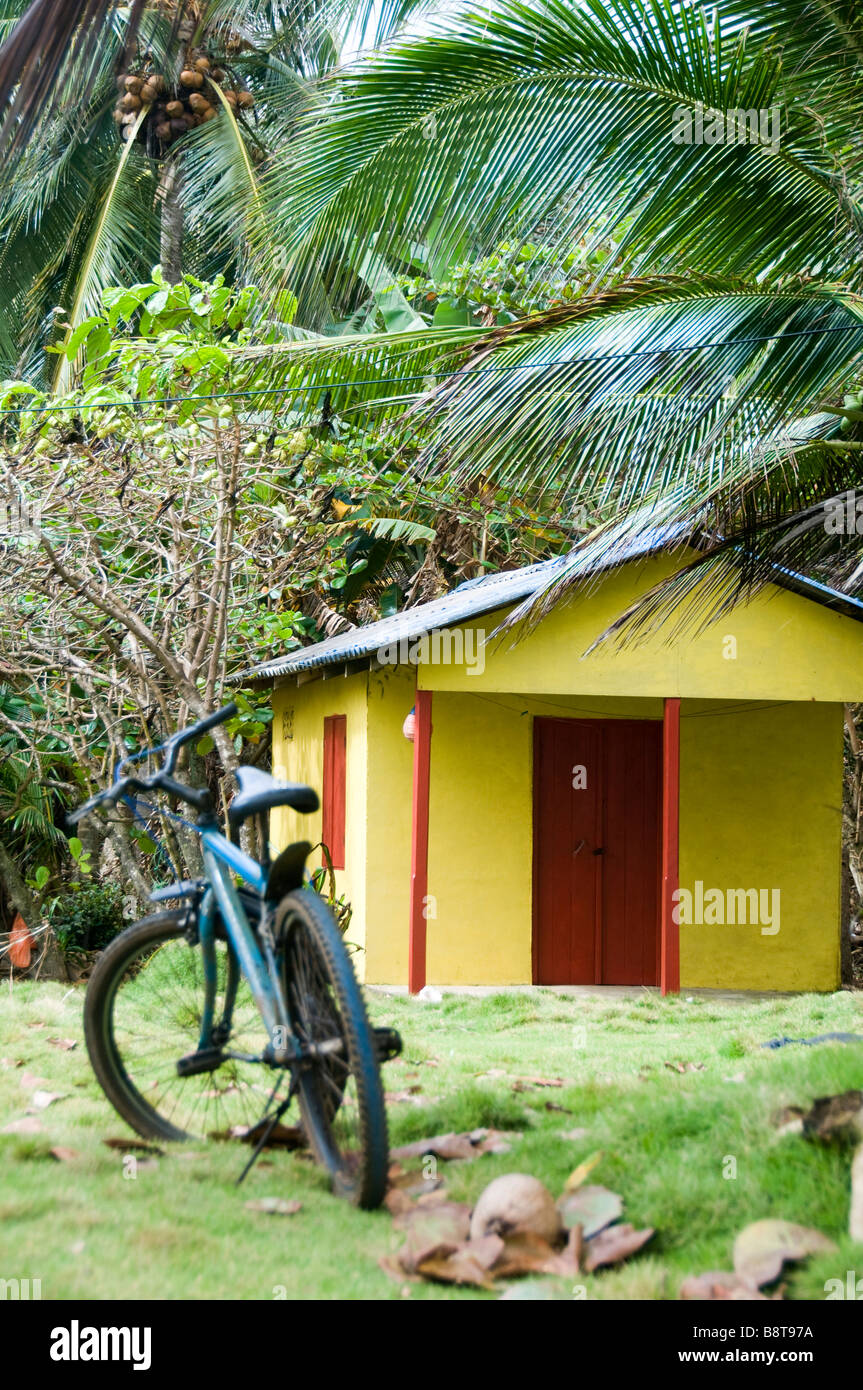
(613, 1245)
(835, 1117)
(129, 1146)
(30, 1082)
(28, 1124)
(763, 1247)
(719, 1285)
(456, 1146)
(397, 1201)
(467, 1264)
(40, 1100)
(432, 1231)
(527, 1253)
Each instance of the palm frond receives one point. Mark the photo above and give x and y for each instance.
(642, 389)
(562, 114)
(56, 45)
(816, 549)
(115, 243)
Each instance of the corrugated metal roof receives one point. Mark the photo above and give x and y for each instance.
(502, 590)
(469, 600)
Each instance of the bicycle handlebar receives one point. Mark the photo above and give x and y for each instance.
(198, 797)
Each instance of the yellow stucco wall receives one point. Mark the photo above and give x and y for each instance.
(390, 791)
(760, 783)
(761, 807)
(298, 755)
(778, 647)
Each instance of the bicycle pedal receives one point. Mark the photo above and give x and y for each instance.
(204, 1059)
(389, 1043)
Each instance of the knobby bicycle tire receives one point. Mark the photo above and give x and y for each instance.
(340, 1093)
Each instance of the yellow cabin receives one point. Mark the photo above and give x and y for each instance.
(504, 810)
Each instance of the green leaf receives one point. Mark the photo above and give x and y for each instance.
(399, 529)
(449, 316)
(74, 341)
(397, 314)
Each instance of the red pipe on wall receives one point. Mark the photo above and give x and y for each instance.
(669, 973)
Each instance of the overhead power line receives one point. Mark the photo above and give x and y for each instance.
(464, 372)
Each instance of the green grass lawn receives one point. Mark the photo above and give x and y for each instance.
(180, 1229)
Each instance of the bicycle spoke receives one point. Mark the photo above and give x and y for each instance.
(156, 1019)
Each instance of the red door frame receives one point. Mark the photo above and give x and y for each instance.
(669, 969)
(669, 930)
(420, 841)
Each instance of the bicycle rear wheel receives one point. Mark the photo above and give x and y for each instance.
(339, 1083)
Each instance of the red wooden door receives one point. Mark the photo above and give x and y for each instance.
(597, 813)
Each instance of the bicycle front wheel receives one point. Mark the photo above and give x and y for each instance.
(339, 1083)
(143, 1012)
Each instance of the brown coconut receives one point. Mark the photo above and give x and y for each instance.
(210, 114)
(202, 64)
(179, 125)
(148, 94)
(516, 1203)
(198, 103)
(175, 108)
(245, 99)
(163, 130)
(133, 84)
(130, 102)
(190, 78)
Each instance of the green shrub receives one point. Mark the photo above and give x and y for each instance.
(87, 918)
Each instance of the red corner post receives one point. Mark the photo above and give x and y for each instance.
(669, 970)
(420, 841)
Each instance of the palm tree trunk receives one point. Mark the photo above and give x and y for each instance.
(171, 245)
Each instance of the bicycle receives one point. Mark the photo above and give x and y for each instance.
(217, 965)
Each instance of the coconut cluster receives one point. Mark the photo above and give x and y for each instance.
(175, 108)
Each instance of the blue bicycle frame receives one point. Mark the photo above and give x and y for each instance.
(223, 859)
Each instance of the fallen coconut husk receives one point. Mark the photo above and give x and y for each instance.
(515, 1229)
(513, 1204)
